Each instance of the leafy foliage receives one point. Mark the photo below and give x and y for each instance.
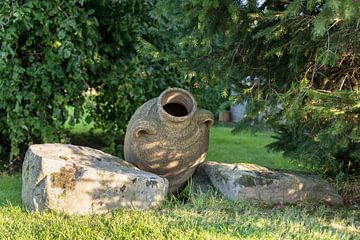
(130, 70)
(52, 52)
(296, 60)
(208, 96)
(43, 67)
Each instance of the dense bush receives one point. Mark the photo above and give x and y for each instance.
(130, 69)
(209, 97)
(53, 51)
(46, 50)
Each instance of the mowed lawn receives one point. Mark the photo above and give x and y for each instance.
(246, 147)
(198, 217)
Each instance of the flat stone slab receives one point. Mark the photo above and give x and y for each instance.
(81, 180)
(244, 182)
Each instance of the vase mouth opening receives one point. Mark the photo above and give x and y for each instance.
(177, 104)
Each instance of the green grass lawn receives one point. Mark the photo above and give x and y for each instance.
(201, 217)
(246, 147)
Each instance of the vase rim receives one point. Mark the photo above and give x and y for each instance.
(177, 96)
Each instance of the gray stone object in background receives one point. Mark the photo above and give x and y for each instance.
(169, 136)
(238, 110)
(81, 180)
(244, 182)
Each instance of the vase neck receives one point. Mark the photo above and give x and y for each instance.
(176, 106)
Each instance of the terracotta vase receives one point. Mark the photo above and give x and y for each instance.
(169, 136)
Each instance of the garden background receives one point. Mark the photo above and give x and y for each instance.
(75, 71)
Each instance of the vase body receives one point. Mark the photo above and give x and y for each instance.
(169, 136)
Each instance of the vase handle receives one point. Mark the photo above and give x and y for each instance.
(205, 116)
(144, 128)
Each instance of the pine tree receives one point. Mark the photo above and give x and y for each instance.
(301, 54)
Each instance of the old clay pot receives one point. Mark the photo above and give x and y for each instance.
(169, 136)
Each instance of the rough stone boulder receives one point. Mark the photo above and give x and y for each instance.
(244, 182)
(82, 180)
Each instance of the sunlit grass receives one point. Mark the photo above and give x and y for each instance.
(202, 217)
(198, 217)
(245, 147)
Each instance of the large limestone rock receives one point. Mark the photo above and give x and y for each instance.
(81, 180)
(243, 182)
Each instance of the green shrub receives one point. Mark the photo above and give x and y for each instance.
(209, 97)
(46, 50)
(53, 51)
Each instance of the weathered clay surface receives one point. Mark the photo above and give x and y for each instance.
(241, 182)
(81, 180)
(169, 136)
